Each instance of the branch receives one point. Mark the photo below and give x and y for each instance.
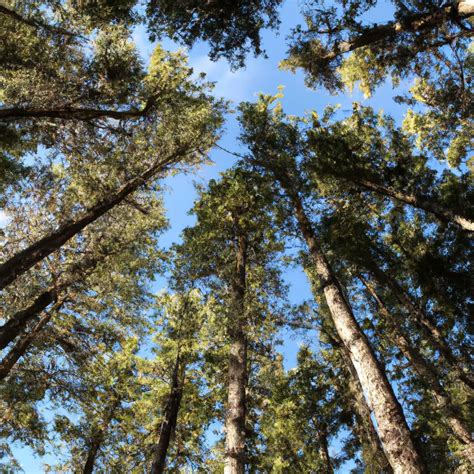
(417, 22)
(17, 113)
(35, 23)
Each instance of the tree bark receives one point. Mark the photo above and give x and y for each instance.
(372, 451)
(324, 452)
(98, 438)
(415, 23)
(393, 429)
(423, 321)
(25, 259)
(94, 447)
(16, 324)
(235, 455)
(429, 206)
(168, 425)
(19, 349)
(428, 373)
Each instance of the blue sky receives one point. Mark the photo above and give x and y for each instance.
(260, 75)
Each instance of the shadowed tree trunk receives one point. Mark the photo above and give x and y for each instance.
(324, 451)
(393, 429)
(415, 23)
(17, 323)
(98, 438)
(235, 454)
(427, 205)
(168, 425)
(428, 373)
(25, 259)
(19, 349)
(424, 322)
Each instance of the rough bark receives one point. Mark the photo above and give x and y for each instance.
(372, 451)
(427, 373)
(168, 425)
(415, 23)
(19, 349)
(393, 429)
(235, 455)
(15, 325)
(25, 259)
(430, 331)
(443, 214)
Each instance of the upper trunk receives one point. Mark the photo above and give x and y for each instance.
(324, 452)
(16, 324)
(428, 373)
(19, 349)
(426, 204)
(424, 322)
(235, 455)
(25, 259)
(372, 451)
(416, 23)
(393, 429)
(168, 425)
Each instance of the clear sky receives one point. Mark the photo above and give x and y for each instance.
(260, 75)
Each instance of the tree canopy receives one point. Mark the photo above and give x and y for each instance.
(125, 352)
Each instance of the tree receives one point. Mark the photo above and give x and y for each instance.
(266, 135)
(242, 245)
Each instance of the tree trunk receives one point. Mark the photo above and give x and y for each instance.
(372, 452)
(415, 23)
(443, 214)
(25, 259)
(393, 429)
(429, 329)
(19, 349)
(17, 323)
(168, 425)
(235, 455)
(428, 373)
(99, 436)
(92, 454)
(324, 452)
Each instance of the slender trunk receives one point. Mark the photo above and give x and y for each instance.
(235, 456)
(17, 323)
(168, 425)
(428, 373)
(98, 438)
(424, 322)
(372, 451)
(393, 429)
(19, 349)
(25, 259)
(94, 447)
(443, 214)
(324, 452)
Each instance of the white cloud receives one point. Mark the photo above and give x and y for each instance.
(236, 85)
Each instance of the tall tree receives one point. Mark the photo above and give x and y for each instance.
(274, 147)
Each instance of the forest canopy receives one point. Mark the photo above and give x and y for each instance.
(129, 348)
